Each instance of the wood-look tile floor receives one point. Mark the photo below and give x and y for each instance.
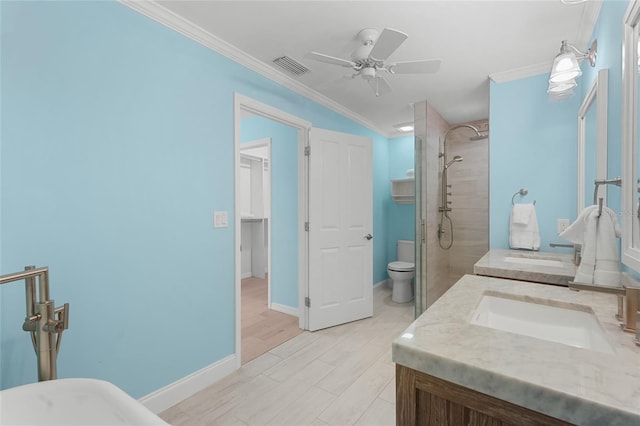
(262, 329)
(338, 376)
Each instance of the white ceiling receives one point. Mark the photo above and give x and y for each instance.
(475, 40)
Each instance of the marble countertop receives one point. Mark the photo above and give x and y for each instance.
(493, 264)
(573, 384)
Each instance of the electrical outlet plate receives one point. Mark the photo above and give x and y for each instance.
(562, 224)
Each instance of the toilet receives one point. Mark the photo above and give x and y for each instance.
(402, 272)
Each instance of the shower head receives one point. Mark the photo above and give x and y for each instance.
(479, 137)
(456, 159)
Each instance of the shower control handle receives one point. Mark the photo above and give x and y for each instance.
(369, 237)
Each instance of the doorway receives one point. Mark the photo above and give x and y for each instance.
(264, 324)
(336, 287)
(270, 241)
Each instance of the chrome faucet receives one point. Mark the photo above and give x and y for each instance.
(628, 304)
(43, 320)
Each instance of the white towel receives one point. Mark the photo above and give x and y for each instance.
(597, 233)
(524, 235)
(607, 271)
(521, 213)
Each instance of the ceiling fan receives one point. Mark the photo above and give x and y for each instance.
(369, 60)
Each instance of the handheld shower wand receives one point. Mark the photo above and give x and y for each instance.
(456, 159)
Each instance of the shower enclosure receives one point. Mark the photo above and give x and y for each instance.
(452, 198)
(446, 223)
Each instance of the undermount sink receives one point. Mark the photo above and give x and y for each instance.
(72, 402)
(534, 260)
(564, 325)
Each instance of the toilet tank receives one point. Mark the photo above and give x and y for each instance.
(406, 251)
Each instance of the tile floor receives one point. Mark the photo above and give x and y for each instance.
(338, 376)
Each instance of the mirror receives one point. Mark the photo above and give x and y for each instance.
(630, 142)
(592, 141)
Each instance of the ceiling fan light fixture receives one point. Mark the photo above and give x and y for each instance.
(370, 59)
(368, 73)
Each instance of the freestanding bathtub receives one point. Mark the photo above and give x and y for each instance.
(72, 402)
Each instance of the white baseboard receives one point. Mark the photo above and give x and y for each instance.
(246, 275)
(386, 283)
(183, 388)
(289, 310)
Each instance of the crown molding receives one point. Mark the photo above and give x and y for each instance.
(590, 15)
(169, 19)
(518, 73)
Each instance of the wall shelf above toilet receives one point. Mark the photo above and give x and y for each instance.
(403, 191)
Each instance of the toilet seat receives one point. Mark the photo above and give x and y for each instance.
(400, 266)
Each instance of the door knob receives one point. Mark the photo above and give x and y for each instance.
(369, 237)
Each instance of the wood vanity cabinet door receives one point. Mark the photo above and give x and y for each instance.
(422, 399)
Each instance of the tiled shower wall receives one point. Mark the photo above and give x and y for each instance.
(469, 182)
(439, 269)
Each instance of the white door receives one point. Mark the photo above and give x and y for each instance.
(340, 228)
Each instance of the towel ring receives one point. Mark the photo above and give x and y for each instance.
(522, 192)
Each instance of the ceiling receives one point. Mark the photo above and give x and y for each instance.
(475, 40)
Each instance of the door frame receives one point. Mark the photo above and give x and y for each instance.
(243, 104)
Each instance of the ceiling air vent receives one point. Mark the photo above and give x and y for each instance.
(289, 64)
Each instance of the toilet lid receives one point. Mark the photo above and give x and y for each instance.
(401, 266)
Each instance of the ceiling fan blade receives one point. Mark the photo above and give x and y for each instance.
(379, 85)
(387, 43)
(330, 59)
(428, 66)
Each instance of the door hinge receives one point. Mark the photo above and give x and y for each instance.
(306, 226)
(307, 302)
(423, 236)
(307, 150)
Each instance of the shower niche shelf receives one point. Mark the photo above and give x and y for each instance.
(403, 191)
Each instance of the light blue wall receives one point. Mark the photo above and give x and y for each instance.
(401, 223)
(117, 146)
(533, 145)
(284, 204)
(534, 140)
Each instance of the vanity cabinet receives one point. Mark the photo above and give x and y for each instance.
(452, 370)
(422, 399)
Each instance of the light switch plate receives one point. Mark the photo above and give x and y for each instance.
(220, 219)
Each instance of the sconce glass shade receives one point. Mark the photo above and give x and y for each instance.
(565, 86)
(565, 68)
(561, 96)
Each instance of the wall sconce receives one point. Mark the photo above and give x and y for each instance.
(566, 68)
